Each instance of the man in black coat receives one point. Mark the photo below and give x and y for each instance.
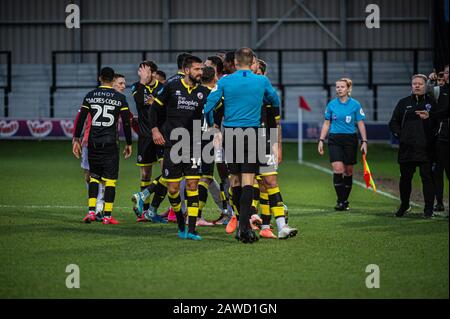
(410, 123)
(440, 122)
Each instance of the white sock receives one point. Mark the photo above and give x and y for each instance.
(100, 197)
(265, 227)
(281, 221)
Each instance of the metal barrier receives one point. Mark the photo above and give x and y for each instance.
(7, 88)
(280, 84)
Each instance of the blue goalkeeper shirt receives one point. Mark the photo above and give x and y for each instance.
(243, 94)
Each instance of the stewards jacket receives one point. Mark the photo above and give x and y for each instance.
(415, 135)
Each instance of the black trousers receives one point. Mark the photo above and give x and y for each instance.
(407, 171)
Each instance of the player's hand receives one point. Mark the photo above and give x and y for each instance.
(423, 114)
(150, 100)
(320, 148)
(364, 147)
(127, 151)
(157, 137)
(145, 74)
(76, 147)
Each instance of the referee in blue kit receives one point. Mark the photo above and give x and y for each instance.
(243, 93)
(343, 114)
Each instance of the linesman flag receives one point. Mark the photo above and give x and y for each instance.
(368, 175)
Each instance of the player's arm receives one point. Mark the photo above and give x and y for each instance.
(213, 101)
(137, 90)
(160, 101)
(126, 124)
(270, 95)
(79, 124)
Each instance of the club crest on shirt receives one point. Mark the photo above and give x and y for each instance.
(428, 107)
(200, 95)
(348, 119)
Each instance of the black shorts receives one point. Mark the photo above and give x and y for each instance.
(103, 160)
(269, 165)
(148, 152)
(343, 148)
(207, 169)
(242, 157)
(174, 172)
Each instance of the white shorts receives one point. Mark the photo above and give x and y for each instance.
(84, 158)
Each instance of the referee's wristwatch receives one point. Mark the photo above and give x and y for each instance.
(363, 141)
(321, 140)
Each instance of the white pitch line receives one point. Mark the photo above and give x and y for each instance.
(330, 172)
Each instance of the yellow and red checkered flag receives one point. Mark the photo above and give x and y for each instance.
(368, 175)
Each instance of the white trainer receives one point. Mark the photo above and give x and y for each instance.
(287, 232)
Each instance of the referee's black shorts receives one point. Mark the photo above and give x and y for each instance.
(343, 148)
(241, 155)
(103, 160)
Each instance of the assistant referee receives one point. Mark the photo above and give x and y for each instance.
(342, 115)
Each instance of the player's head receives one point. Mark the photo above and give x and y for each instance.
(180, 59)
(216, 63)
(106, 76)
(262, 67)
(161, 76)
(244, 58)
(255, 65)
(418, 84)
(344, 87)
(441, 78)
(119, 83)
(192, 68)
(208, 76)
(221, 54)
(228, 63)
(153, 68)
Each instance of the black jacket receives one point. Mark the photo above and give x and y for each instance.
(440, 116)
(415, 134)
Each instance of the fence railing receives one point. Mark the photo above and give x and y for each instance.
(280, 83)
(7, 86)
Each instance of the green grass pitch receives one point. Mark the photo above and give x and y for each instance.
(43, 198)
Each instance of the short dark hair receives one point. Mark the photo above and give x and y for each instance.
(180, 59)
(217, 62)
(245, 56)
(161, 74)
(152, 65)
(107, 74)
(440, 75)
(118, 75)
(229, 57)
(191, 59)
(208, 74)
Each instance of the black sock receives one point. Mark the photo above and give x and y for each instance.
(348, 183)
(160, 191)
(202, 197)
(338, 180)
(223, 195)
(245, 207)
(237, 190)
(192, 221)
(92, 194)
(110, 194)
(145, 184)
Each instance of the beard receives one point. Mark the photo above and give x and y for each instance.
(194, 80)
